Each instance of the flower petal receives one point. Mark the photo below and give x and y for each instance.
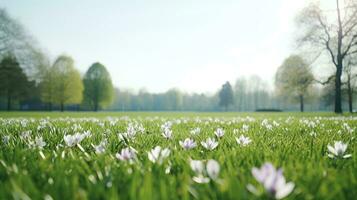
(284, 191)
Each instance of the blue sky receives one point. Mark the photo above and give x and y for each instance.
(193, 45)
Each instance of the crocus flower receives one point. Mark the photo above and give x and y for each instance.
(6, 139)
(244, 141)
(188, 143)
(211, 170)
(338, 150)
(72, 140)
(272, 180)
(200, 179)
(195, 131)
(158, 155)
(100, 148)
(127, 154)
(219, 132)
(167, 133)
(197, 166)
(209, 144)
(245, 128)
(39, 142)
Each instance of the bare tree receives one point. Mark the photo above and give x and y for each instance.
(335, 32)
(15, 40)
(350, 81)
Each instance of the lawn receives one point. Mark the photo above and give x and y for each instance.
(109, 155)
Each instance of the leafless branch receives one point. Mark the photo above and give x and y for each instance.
(325, 82)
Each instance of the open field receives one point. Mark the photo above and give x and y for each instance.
(92, 156)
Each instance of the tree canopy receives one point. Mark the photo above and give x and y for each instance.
(67, 83)
(98, 87)
(14, 83)
(293, 78)
(226, 95)
(15, 40)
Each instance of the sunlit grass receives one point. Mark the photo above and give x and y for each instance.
(64, 172)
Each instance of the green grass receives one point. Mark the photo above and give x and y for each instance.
(70, 173)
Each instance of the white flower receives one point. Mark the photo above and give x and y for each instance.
(211, 170)
(338, 150)
(245, 128)
(244, 141)
(210, 144)
(158, 155)
(6, 139)
(127, 154)
(188, 143)
(39, 142)
(200, 179)
(219, 132)
(87, 133)
(100, 148)
(26, 135)
(166, 125)
(197, 166)
(167, 133)
(131, 131)
(272, 180)
(195, 131)
(313, 134)
(72, 140)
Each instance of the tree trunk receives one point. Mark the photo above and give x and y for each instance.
(8, 102)
(50, 106)
(62, 107)
(350, 94)
(339, 66)
(350, 104)
(338, 103)
(301, 103)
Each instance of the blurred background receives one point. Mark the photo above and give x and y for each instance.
(278, 55)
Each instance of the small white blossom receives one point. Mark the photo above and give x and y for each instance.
(200, 179)
(72, 140)
(338, 150)
(245, 128)
(188, 143)
(158, 155)
(195, 131)
(39, 142)
(167, 133)
(209, 144)
(272, 180)
(204, 173)
(212, 169)
(244, 141)
(26, 135)
(100, 148)
(197, 166)
(313, 134)
(6, 139)
(219, 132)
(127, 154)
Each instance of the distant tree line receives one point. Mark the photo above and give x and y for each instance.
(30, 81)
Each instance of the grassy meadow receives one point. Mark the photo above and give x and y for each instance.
(104, 155)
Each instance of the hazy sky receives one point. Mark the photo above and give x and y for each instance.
(193, 45)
